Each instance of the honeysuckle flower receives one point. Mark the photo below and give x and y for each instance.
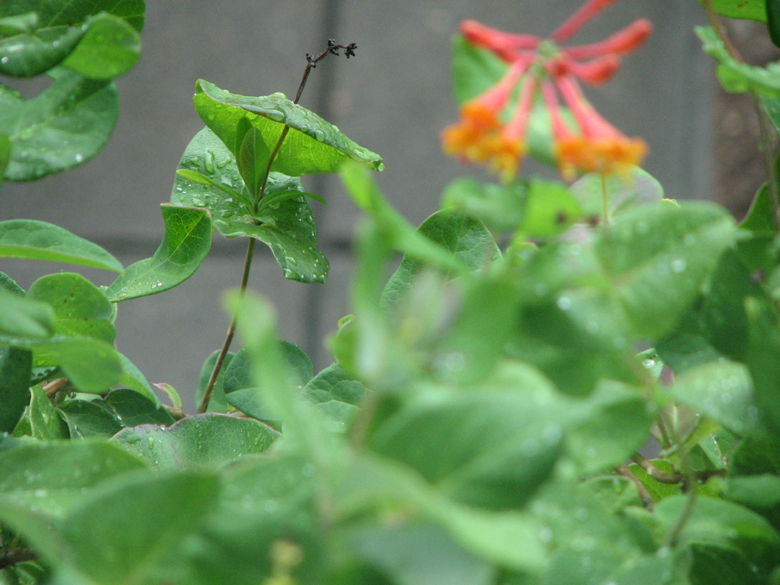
(492, 128)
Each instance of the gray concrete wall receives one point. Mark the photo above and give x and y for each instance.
(393, 98)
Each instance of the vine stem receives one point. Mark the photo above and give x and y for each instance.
(311, 63)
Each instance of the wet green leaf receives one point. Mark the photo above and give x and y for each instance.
(550, 209)
(312, 145)
(336, 394)
(90, 418)
(197, 442)
(287, 226)
(500, 207)
(24, 317)
(38, 240)
(64, 126)
(80, 308)
(109, 48)
(133, 378)
(253, 155)
(623, 191)
(186, 243)
(51, 476)
(759, 218)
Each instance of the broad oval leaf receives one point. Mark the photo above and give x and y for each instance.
(109, 48)
(24, 317)
(15, 373)
(638, 187)
(202, 441)
(64, 126)
(287, 227)
(311, 146)
(186, 243)
(45, 420)
(39, 240)
(747, 9)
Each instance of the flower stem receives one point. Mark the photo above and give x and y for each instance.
(605, 198)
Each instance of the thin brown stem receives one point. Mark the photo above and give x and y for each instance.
(712, 16)
(655, 473)
(647, 499)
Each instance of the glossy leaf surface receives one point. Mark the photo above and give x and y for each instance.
(15, 372)
(186, 243)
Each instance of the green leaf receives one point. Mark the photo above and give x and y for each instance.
(615, 421)
(762, 361)
(336, 394)
(312, 145)
(55, 13)
(773, 20)
(38, 240)
(395, 230)
(109, 48)
(239, 386)
(736, 77)
(623, 191)
(135, 409)
(218, 402)
(90, 418)
(759, 218)
(51, 476)
(186, 243)
(721, 390)
(197, 442)
(64, 126)
(92, 365)
(287, 228)
(34, 51)
(133, 378)
(303, 429)
(15, 372)
(419, 554)
(253, 156)
(45, 420)
(5, 154)
(748, 9)
(24, 317)
(657, 490)
(467, 239)
(499, 206)
(80, 308)
(118, 534)
(499, 446)
(659, 257)
(550, 209)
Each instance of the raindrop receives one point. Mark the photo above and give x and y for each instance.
(678, 265)
(79, 158)
(4, 60)
(41, 493)
(546, 534)
(564, 303)
(540, 289)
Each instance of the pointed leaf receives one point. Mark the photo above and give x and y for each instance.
(287, 228)
(186, 243)
(336, 394)
(38, 240)
(311, 146)
(197, 442)
(64, 126)
(90, 418)
(759, 218)
(36, 50)
(133, 378)
(253, 157)
(638, 187)
(15, 371)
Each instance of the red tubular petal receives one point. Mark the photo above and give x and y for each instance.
(596, 71)
(623, 41)
(577, 20)
(505, 45)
